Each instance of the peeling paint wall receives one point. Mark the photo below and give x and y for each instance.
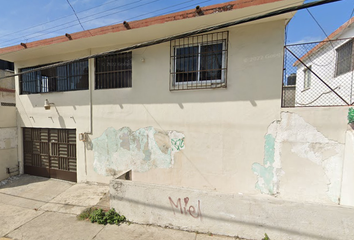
(307, 155)
(140, 150)
(222, 137)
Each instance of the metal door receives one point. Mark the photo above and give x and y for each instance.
(50, 153)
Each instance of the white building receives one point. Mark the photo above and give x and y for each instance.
(332, 62)
(197, 118)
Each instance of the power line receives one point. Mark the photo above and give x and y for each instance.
(38, 25)
(73, 25)
(78, 19)
(138, 16)
(183, 35)
(313, 17)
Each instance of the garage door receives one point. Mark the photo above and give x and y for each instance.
(50, 152)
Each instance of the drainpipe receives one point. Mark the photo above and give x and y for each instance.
(91, 85)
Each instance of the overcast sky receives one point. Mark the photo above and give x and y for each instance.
(26, 21)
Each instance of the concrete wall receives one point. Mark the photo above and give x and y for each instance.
(8, 129)
(230, 214)
(8, 141)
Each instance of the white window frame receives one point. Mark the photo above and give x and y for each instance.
(206, 82)
(307, 77)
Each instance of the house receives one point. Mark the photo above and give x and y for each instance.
(189, 133)
(8, 128)
(332, 61)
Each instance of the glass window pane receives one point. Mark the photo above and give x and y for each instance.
(211, 62)
(344, 58)
(187, 64)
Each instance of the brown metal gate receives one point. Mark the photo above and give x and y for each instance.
(50, 153)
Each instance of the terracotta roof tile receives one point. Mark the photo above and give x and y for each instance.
(222, 7)
(332, 36)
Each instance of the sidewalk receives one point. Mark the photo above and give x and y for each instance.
(41, 208)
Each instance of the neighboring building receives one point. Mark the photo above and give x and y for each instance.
(200, 115)
(332, 61)
(8, 129)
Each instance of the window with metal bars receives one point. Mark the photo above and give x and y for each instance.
(69, 77)
(199, 62)
(307, 77)
(344, 58)
(113, 71)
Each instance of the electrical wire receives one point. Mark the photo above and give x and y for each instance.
(183, 35)
(78, 19)
(41, 24)
(138, 16)
(60, 25)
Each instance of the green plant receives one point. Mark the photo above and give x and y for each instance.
(351, 115)
(112, 217)
(102, 217)
(266, 237)
(85, 214)
(97, 216)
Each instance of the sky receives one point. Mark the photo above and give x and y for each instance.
(27, 21)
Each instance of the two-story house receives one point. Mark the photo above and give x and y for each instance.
(194, 121)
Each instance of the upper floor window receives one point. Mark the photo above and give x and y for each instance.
(307, 77)
(113, 71)
(68, 77)
(344, 58)
(199, 61)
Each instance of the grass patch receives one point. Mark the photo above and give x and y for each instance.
(102, 217)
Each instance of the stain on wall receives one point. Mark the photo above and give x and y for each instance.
(140, 150)
(8, 138)
(270, 172)
(306, 142)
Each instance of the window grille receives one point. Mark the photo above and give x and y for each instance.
(70, 77)
(319, 74)
(113, 71)
(344, 58)
(199, 62)
(307, 77)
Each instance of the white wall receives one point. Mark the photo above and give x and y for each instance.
(8, 140)
(223, 128)
(235, 140)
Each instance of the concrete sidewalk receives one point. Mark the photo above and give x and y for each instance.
(41, 208)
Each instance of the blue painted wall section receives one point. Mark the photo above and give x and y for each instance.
(265, 173)
(140, 150)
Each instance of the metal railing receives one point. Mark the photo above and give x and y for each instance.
(318, 74)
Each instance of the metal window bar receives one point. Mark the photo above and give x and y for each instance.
(70, 77)
(328, 65)
(113, 71)
(199, 62)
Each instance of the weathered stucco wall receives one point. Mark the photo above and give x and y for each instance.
(233, 140)
(230, 214)
(218, 133)
(8, 140)
(304, 155)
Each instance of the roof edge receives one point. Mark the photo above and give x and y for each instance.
(206, 10)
